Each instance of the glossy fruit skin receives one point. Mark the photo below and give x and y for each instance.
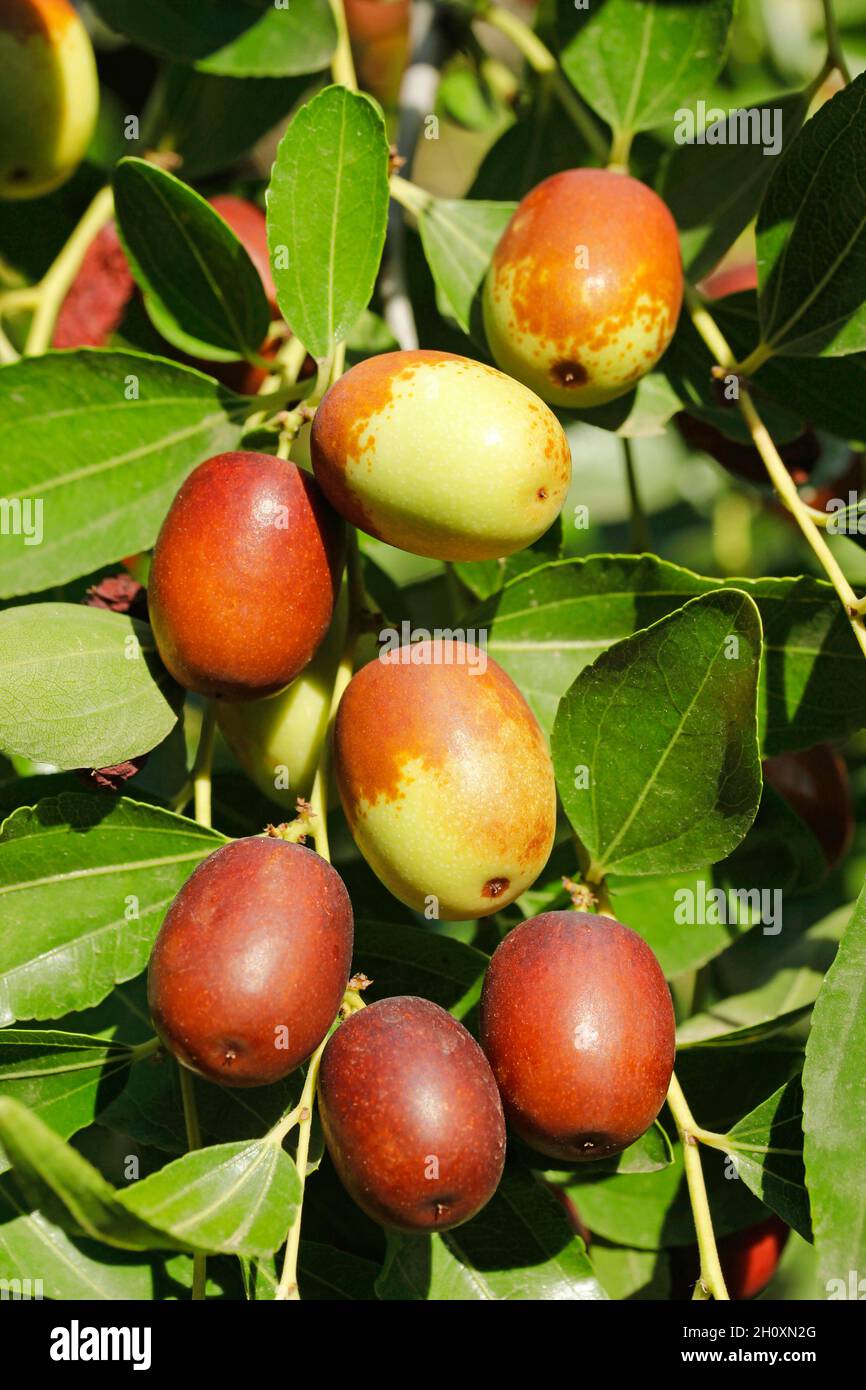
(749, 1258)
(249, 225)
(379, 34)
(578, 1025)
(285, 731)
(446, 781)
(402, 1084)
(259, 939)
(584, 289)
(440, 456)
(50, 95)
(245, 576)
(815, 785)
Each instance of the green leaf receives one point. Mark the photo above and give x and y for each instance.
(150, 1108)
(98, 443)
(84, 884)
(649, 906)
(32, 1248)
(767, 1148)
(81, 687)
(327, 214)
(233, 1198)
(240, 1199)
(530, 150)
(210, 121)
(459, 238)
(547, 626)
(664, 726)
(67, 1189)
(203, 292)
(737, 1021)
(334, 1275)
(404, 959)
(812, 299)
(714, 189)
(248, 39)
(520, 1247)
(834, 1113)
(675, 50)
(65, 1078)
(631, 1274)
(646, 1155)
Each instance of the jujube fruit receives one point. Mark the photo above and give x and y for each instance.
(244, 577)
(249, 225)
(284, 732)
(252, 961)
(50, 95)
(445, 779)
(440, 456)
(379, 33)
(411, 1115)
(99, 295)
(814, 782)
(749, 1259)
(584, 289)
(578, 1025)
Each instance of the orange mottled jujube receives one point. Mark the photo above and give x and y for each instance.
(585, 286)
(445, 779)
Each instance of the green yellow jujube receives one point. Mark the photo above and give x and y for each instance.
(50, 95)
(440, 456)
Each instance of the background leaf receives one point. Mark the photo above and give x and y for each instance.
(84, 883)
(459, 238)
(810, 267)
(102, 440)
(241, 38)
(677, 48)
(203, 292)
(519, 1247)
(81, 687)
(834, 1112)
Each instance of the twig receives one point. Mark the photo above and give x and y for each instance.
(711, 1277)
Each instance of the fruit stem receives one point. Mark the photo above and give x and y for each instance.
(755, 360)
(193, 1141)
(287, 1288)
(639, 527)
(201, 768)
(711, 1277)
(619, 151)
(834, 45)
(414, 199)
(542, 61)
(51, 291)
(342, 62)
(145, 1049)
(781, 479)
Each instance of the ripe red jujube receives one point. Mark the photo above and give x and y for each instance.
(411, 1115)
(245, 576)
(252, 961)
(578, 1024)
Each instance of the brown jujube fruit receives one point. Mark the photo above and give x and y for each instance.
(252, 961)
(814, 782)
(578, 1025)
(244, 577)
(411, 1115)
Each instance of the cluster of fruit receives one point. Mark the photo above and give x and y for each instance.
(577, 1033)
